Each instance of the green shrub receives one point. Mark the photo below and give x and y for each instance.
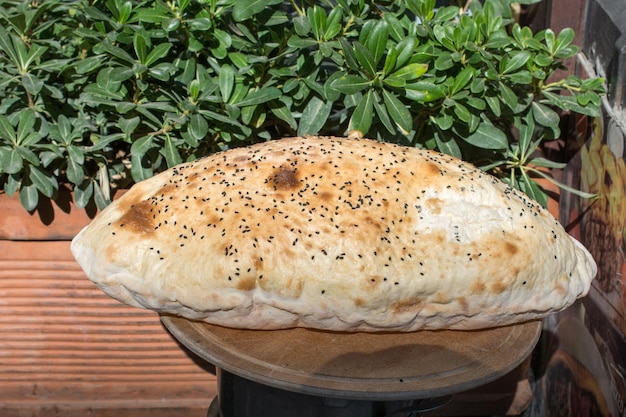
(101, 94)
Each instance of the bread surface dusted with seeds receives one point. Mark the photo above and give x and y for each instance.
(334, 234)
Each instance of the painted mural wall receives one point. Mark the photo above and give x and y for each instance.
(583, 367)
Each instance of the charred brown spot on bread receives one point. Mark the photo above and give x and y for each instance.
(294, 286)
(247, 283)
(139, 218)
(434, 205)
(326, 196)
(371, 282)
(498, 287)
(284, 178)
(510, 248)
(407, 305)
(431, 168)
(258, 263)
(478, 287)
(359, 302)
(442, 297)
(462, 301)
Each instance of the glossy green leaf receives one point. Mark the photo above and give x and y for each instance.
(498, 40)
(543, 162)
(361, 119)
(521, 77)
(566, 52)
(383, 114)
(194, 90)
(128, 125)
(117, 52)
(301, 25)
(314, 116)
(349, 55)
(283, 112)
(245, 9)
(390, 61)
(350, 84)
(444, 61)
(571, 103)
(411, 72)
(405, 49)
(461, 80)
(447, 144)
(488, 137)
(11, 160)
(377, 41)
(29, 196)
(198, 126)
(333, 23)
(396, 30)
(158, 52)
(462, 112)
(526, 135)
(544, 115)
(83, 193)
(394, 82)
(43, 181)
(515, 61)
(6, 45)
(441, 34)
(261, 96)
(317, 20)
(88, 64)
(423, 92)
(28, 155)
(550, 40)
(444, 14)
(226, 81)
(508, 96)
(201, 24)
(125, 11)
(100, 197)
(443, 120)
(25, 126)
(150, 15)
(398, 111)
(298, 42)
(7, 131)
(75, 161)
(32, 84)
(543, 60)
(561, 185)
(365, 59)
(170, 151)
(494, 105)
(141, 48)
(476, 103)
(532, 189)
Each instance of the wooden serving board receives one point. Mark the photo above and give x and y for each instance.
(367, 366)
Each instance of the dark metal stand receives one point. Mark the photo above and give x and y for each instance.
(240, 397)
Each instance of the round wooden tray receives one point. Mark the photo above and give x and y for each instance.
(367, 366)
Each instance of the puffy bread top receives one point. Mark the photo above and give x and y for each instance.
(334, 234)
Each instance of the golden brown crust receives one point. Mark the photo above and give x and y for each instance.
(337, 234)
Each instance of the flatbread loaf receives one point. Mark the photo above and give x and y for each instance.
(334, 234)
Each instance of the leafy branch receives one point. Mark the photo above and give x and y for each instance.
(100, 95)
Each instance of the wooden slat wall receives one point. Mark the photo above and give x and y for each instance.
(67, 349)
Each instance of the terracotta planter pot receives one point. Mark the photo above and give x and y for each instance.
(69, 350)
